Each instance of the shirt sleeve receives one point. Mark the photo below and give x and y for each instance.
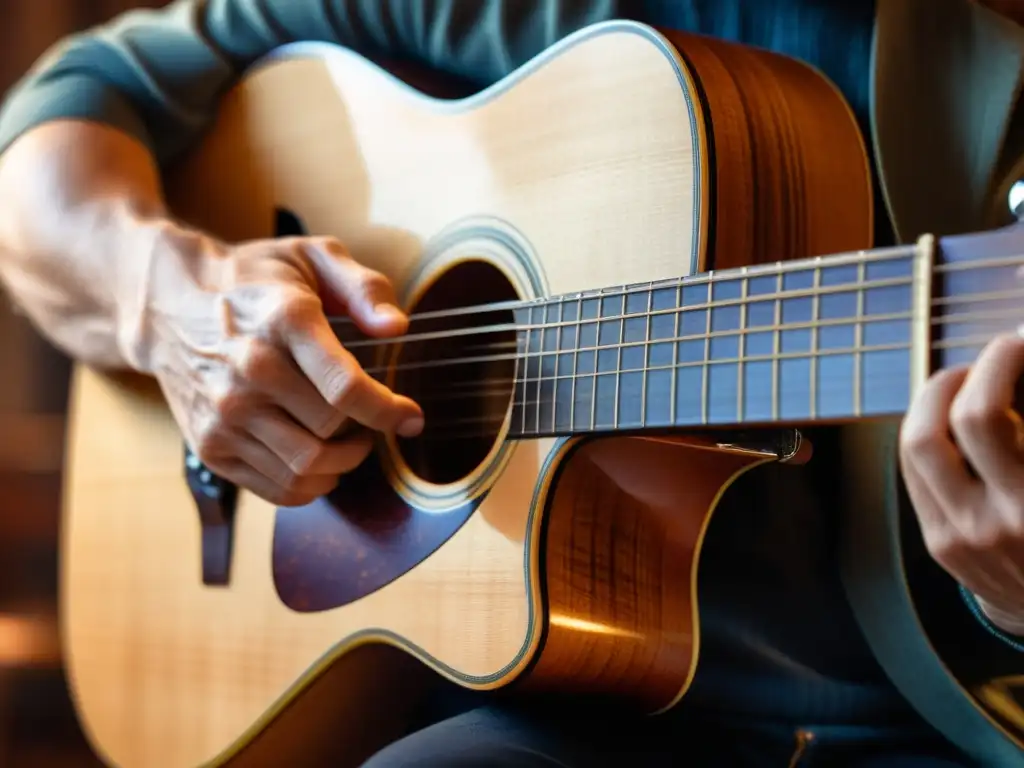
(159, 74)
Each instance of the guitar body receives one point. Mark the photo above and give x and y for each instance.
(547, 565)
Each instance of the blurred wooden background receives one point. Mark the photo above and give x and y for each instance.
(38, 728)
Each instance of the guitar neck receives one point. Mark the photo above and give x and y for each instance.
(828, 339)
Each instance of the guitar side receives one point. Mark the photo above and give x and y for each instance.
(546, 182)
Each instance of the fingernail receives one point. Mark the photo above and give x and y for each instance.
(411, 427)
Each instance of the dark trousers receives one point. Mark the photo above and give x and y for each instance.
(509, 737)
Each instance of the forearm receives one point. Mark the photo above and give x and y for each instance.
(79, 210)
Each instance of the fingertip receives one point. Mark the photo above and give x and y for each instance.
(410, 426)
(383, 320)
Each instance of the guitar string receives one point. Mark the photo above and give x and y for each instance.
(498, 384)
(512, 387)
(742, 302)
(607, 399)
(949, 319)
(712, 278)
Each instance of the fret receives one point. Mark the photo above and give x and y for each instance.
(630, 384)
(726, 324)
(858, 343)
(752, 345)
(794, 384)
(835, 380)
(689, 379)
(647, 343)
(565, 365)
(815, 317)
(705, 379)
(660, 357)
(523, 318)
(538, 317)
(887, 370)
(575, 361)
(609, 337)
(759, 340)
(675, 353)
(776, 348)
(740, 368)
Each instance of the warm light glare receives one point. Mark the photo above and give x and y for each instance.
(26, 640)
(582, 625)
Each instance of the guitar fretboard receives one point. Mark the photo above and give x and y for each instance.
(821, 340)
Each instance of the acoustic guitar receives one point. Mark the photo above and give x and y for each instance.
(603, 338)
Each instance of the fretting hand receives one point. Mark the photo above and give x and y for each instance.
(961, 453)
(255, 377)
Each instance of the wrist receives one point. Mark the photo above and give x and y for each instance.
(154, 256)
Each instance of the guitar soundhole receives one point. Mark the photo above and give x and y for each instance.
(460, 368)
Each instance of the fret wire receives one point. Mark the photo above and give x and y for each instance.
(776, 269)
(558, 346)
(793, 294)
(526, 377)
(575, 361)
(540, 368)
(675, 353)
(593, 379)
(744, 290)
(690, 337)
(815, 317)
(647, 351)
(776, 346)
(978, 341)
(858, 340)
(705, 378)
(761, 270)
(618, 361)
(831, 352)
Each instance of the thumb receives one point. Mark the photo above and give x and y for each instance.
(348, 287)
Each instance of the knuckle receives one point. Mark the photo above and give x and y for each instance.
(329, 425)
(229, 405)
(209, 439)
(258, 361)
(945, 548)
(343, 386)
(917, 439)
(332, 246)
(294, 308)
(373, 282)
(303, 462)
(971, 415)
(985, 538)
(289, 480)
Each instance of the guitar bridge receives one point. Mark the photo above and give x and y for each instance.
(215, 500)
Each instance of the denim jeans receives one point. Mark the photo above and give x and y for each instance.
(571, 737)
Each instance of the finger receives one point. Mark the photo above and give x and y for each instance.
(274, 373)
(926, 446)
(305, 454)
(946, 540)
(982, 417)
(245, 476)
(367, 295)
(261, 459)
(340, 379)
